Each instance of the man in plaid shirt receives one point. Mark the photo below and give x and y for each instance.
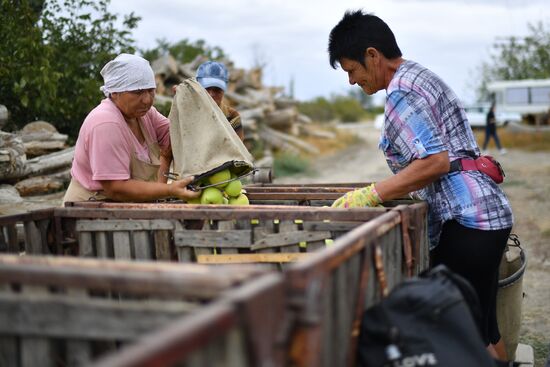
(425, 129)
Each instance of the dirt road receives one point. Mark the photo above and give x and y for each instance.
(527, 186)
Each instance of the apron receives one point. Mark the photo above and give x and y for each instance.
(139, 170)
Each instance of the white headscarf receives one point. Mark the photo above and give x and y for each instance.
(126, 73)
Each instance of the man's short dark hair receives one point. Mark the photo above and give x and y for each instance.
(358, 31)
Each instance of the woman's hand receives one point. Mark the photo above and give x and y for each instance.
(179, 189)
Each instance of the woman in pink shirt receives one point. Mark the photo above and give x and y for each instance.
(118, 150)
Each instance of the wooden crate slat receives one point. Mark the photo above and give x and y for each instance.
(85, 245)
(11, 239)
(289, 238)
(163, 248)
(35, 352)
(33, 239)
(330, 226)
(251, 258)
(228, 225)
(213, 238)
(123, 225)
(143, 249)
(8, 351)
(327, 319)
(122, 247)
(104, 248)
(83, 319)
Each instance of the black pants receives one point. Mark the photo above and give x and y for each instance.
(491, 131)
(475, 255)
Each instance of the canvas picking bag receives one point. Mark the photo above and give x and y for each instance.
(203, 141)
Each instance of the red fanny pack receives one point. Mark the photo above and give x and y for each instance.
(484, 163)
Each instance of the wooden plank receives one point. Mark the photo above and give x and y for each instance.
(104, 248)
(8, 351)
(79, 352)
(341, 312)
(289, 238)
(327, 324)
(261, 229)
(228, 225)
(184, 253)
(290, 230)
(163, 249)
(213, 238)
(143, 249)
(331, 226)
(11, 239)
(140, 278)
(37, 317)
(33, 239)
(251, 258)
(123, 225)
(85, 245)
(34, 349)
(122, 248)
(196, 248)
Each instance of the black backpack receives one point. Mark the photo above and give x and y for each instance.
(429, 320)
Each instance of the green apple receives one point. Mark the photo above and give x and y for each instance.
(220, 177)
(211, 195)
(225, 200)
(233, 189)
(242, 199)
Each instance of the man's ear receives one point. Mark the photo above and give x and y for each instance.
(371, 52)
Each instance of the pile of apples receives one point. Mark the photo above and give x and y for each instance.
(225, 193)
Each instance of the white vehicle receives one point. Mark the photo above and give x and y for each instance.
(477, 115)
(528, 96)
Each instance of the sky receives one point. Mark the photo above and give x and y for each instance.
(450, 37)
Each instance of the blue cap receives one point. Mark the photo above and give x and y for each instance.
(213, 74)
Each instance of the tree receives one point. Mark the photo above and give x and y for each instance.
(518, 58)
(57, 49)
(184, 51)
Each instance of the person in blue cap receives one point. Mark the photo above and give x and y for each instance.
(213, 76)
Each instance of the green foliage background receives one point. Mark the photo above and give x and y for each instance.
(52, 55)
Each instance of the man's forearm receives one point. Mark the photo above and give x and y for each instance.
(420, 173)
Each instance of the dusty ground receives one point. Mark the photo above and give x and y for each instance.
(527, 186)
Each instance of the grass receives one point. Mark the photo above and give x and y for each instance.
(541, 347)
(528, 141)
(341, 140)
(286, 164)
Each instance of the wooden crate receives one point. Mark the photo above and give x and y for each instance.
(326, 290)
(321, 194)
(62, 311)
(326, 295)
(204, 234)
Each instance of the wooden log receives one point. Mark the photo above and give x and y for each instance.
(43, 184)
(285, 102)
(257, 113)
(3, 115)
(242, 101)
(40, 165)
(282, 118)
(284, 140)
(42, 136)
(12, 155)
(318, 133)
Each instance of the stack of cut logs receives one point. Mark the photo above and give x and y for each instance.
(36, 160)
(266, 114)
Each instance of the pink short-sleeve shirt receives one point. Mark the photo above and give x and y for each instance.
(105, 144)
